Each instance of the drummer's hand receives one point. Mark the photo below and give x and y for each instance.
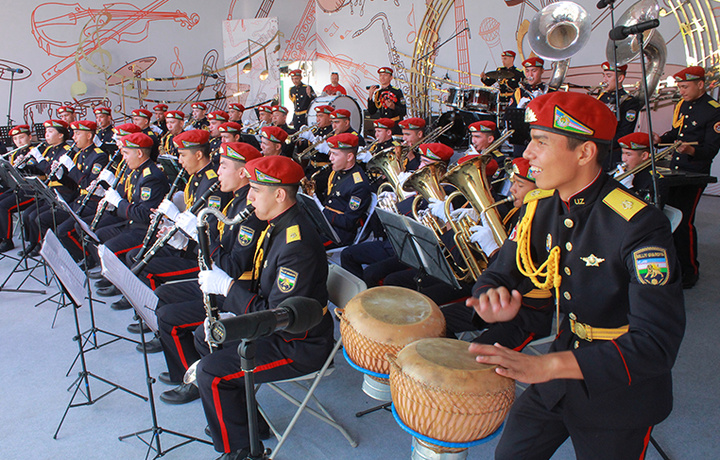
(496, 305)
(527, 368)
(482, 75)
(687, 149)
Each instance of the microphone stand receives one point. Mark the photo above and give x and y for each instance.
(653, 168)
(12, 81)
(246, 350)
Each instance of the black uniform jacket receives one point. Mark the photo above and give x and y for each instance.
(618, 267)
(696, 121)
(347, 201)
(142, 191)
(629, 108)
(376, 104)
(292, 263)
(88, 164)
(300, 98)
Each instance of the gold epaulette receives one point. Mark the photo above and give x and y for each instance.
(538, 194)
(211, 174)
(624, 203)
(714, 103)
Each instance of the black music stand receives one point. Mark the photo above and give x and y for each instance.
(246, 350)
(313, 212)
(70, 278)
(144, 302)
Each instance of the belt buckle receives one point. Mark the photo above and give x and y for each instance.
(581, 331)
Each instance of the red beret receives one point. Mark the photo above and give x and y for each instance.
(175, 114)
(635, 141)
(436, 151)
(340, 114)
(533, 62)
(385, 70)
(412, 123)
(521, 167)
(344, 141)
(274, 170)
(296, 73)
(485, 126)
(230, 127)
(279, 108)
(19, 129)
(56, 124)
(65, 109)
(218, 115)
(327, 109)
(83, 125)
(690, 74)
(509, 53)
(102, 110)
(126, 128)
(239, 151)
(236, 106)
(572, 114)
(265, 108)
(145, 113)
(384, 123)
(136, 141)
(198, 105)
(191, 138)
(607, 67)
(160, 108)
(274, 134)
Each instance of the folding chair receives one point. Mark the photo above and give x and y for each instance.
(342, 286)
(362, 234)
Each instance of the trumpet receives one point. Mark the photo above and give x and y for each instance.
(661, 155)
(252, 129)
(293, 137)
(306, 153)
(428, 138)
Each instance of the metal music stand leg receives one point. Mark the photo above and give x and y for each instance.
(82, 383)
(156, 430)
(658, 448)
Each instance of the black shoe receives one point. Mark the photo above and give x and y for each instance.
(7, 245)
(182, 394)
(134, 328)
(26, 252)
(102, 283)
(689, 280)
(237, 455)
(164, 377)
(95, 273)
(108, 291)
(153, 346)
(123, 304)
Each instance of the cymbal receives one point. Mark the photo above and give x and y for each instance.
(500, 74)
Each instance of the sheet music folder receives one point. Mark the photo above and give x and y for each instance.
(417, 246)
(313, 212)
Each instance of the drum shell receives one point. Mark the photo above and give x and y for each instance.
(481, 99)
(367, 338)
(339, 101)
(455, 98)
(447, 402)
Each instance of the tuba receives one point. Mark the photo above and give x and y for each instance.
(556, 33)
(388, 162)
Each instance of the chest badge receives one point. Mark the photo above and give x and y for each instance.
(592, 260)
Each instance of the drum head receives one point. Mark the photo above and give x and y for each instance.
(339, 102)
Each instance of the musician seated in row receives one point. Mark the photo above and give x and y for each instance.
(482, 134)
(629, 107)
(383, 140)
(13, 200)
(232, 132)
(104, 132)
(506, 78)
(264, 113)
(531, 88)
(272, 141)
(142, 191)
(413, 130)
(199, 118)
(635, 151)
(180, 306)
(345, 197)
(160, 111)
(323, 127)
(216, 118)
(386, 100)
(340, 121)
(174, 123)
(301, 96)
(279, 118)
(235, 112)
(292, 263)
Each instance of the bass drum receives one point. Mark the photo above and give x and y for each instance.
(339, 102)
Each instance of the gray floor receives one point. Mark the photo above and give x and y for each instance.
(35, 357)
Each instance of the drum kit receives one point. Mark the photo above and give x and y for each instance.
(468, 106)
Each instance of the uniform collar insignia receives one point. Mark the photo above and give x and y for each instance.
(592, 260)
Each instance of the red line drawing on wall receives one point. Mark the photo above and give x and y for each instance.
(176, 68)
(264, 9)
(332, 6)
(411, 22)
(300, 47)
(463, 52)
(334, 28)
(55, 27)
(345, 35)
(354, 76)
(42, 110)
(490, 32)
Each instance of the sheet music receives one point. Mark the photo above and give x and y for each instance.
(140, 296)
(315, 214)
(65, 268)
(83, 225)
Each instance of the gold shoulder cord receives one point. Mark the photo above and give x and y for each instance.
(549, 270)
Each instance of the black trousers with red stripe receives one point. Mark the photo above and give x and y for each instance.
(176, 323)
(8, 206)
(686, 199)
(533, 432)
(222, 386)
(168, 264)
(69, 236)
(121, 239)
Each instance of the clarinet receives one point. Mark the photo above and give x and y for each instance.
(91, 192)
(155, 224)
(101, 210)
(159, 243)
(56, 167)
(21, 162)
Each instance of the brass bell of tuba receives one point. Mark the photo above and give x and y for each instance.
(388, 162)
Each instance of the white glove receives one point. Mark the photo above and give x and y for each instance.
(206, 324)
(323, 148)
(308, 136)
(58, 171)
(35, 153)
(523, 102)
(67, 162)
(98, 191)
(156, 129)
(364, 156)
(628, 181)
(214, 281)
(97, 141)
(179, 241)
(437, 208)
(107, 176)
(402, 177)
(187, 222)
(387, 196)
(483, 236)
(113, 197)
(459, 214)
(168, 208)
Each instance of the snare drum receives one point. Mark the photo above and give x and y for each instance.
(454, 98)
(481, 99)
(339, 101)
(440, 391)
